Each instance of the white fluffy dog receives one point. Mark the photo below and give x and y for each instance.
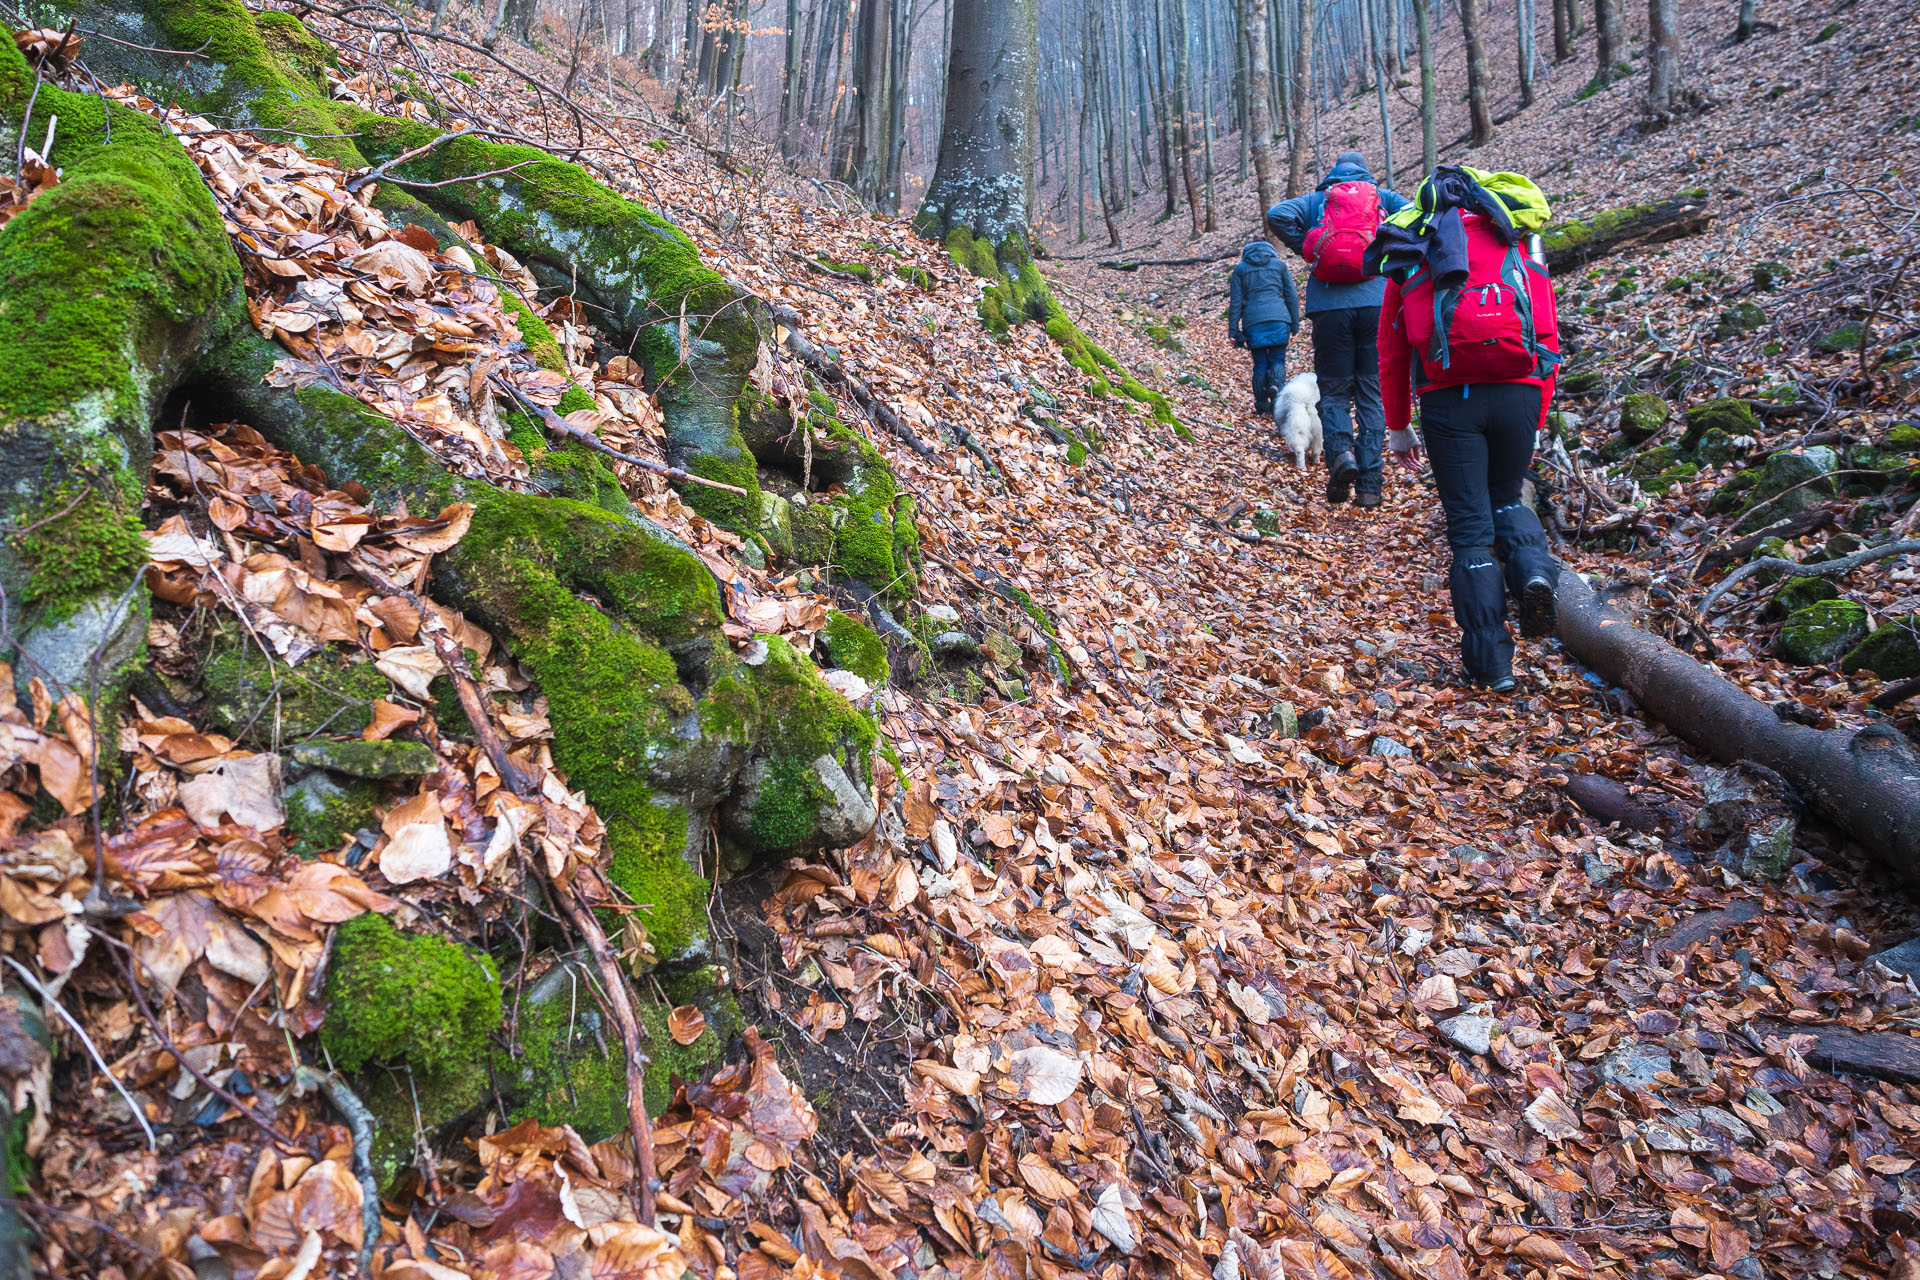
(1297, 416)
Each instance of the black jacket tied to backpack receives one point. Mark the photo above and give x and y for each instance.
(1262, 309)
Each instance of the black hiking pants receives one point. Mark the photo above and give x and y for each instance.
(1346, 360)
(1480, 439)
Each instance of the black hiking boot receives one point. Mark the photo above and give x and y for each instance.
(1367, 491)
(1340, 475)
(1539, 613)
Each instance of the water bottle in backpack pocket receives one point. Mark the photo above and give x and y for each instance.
(1337, 245)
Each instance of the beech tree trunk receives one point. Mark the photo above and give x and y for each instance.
(1663, 59)
(1429, 135)
(1749, 19)
(1259, 87)
(1865, 781)
(1478, 112)
(1610, 41)
(1524, 13)
(1302, 93)
(1562, 31)
(982, 178)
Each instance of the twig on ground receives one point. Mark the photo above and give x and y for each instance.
(1822, 569)
(52, 1002)
(380, 171)
(360, 1124)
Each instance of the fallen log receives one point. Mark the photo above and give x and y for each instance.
(1579, 241)
(1882, 1055)
(1797, 525)
(1867, 782)
(1134, 264)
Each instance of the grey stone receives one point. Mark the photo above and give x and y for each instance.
(944, 614)
(1001, 649)
(1283, 721)
(954, 644)
(62, 653)
(1384, 701)
(1472, 1032)
(1468, 853)
(368, 759)
(1385, 746)
(1903, 959)
(1634, 1066)
(849, 812)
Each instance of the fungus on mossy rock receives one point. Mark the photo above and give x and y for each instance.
(108, 286)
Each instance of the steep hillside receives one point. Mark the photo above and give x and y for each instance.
(607, 599)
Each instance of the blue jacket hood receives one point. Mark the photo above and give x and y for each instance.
(1259, 254)
(1350, 167)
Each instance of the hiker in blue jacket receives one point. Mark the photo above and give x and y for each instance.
(1344, 304)
(1262, 312)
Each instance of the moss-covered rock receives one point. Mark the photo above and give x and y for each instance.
(1715, 449)
(372, 760)
(108, 285)
(1731, 417)
(1586, 382)
(854, 646)
(1904, 438)
(324, 813)
(1643, 416)
(409, 998)
(264, 706)
(1796, 594)
(1789, 482)
(1892, 652)
(644, 273)
(1730, 496)
(1841, 338)
(1821, 633)
(810, 778)
(568, 1066)
(1651, 462)
(1739, 319)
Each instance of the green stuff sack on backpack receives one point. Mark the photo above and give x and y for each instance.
(1526, 203)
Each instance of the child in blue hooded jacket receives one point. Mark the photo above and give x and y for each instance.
(1262, 312)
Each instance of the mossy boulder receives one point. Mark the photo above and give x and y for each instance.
(1796, 594)
(1904, 438)
(1891, 652)
(1667, 479)
(854, 646)
(1716, 448)
(1731, 417)
(1841, 338)
(1821, 633)
(1652, 462)
(372, 760)
(568, 1066)
(264, 706)
(1767, 275)
(1739, 319)
(1789, 482)
(410, 1014)
(1587, 382)
(1643, 416)
(324, 813)
(1731, 495)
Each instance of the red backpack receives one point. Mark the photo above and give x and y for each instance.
(1482, 329)
(1335, 248)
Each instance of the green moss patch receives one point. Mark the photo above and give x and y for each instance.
(1891, 652)
(406, 998)
(1822, 632)
(263, 706)
(854, 646)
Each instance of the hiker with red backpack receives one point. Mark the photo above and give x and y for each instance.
(1469, 322)
(1331, 228)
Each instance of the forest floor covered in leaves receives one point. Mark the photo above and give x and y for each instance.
(1212, 926)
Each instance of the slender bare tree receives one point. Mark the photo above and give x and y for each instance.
(1479, 114)
(1304, 99)
(1259, 121)
(1665, 95)
(1423, 33)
